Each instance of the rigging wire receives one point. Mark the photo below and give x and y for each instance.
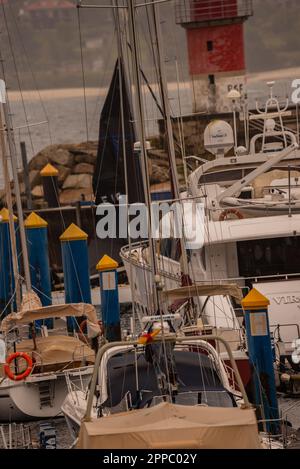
(83, 73)
(17, 75)
(22, 43)
(160, 308)
(102, 86)
(120, 53)
(109, 56)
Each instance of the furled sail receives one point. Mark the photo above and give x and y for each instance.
(109, 176)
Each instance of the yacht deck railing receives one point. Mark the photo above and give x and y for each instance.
(129, 256)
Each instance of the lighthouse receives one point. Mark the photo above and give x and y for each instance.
(215, 39)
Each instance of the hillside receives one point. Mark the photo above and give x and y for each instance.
(272, 35)
(48, 51)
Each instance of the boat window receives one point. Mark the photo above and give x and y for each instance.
(204, 398)
(198, 381)
(224, 176)
(266, 257)
(246, 194)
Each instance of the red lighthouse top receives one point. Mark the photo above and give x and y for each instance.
(193, 12)
(215, 39)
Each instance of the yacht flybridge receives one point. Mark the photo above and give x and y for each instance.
(251, 195)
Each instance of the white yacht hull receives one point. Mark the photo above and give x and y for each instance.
(73, 409)
(21, 401)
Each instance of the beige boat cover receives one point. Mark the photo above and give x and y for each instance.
(56, 311)
(57, 349)
(203, 290)
(169, 426)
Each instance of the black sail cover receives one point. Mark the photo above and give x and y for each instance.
(109, 175)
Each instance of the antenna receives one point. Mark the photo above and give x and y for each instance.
(218, 138)
(234, 95)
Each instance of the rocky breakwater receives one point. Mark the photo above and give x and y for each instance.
(76, 164)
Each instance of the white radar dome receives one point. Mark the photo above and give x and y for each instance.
(218, 138)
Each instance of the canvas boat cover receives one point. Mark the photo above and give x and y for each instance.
(27, 315)
(204, 290)
(57, 349)
(169, 426)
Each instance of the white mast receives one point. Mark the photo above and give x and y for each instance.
(167, 116)
(13, 156)
(141, 132)
(9, 203)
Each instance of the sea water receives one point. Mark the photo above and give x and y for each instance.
(73, 117)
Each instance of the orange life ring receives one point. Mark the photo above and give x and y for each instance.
(19, 377)
(231, 211)
(84, 323)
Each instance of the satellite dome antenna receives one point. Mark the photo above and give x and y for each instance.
(218, 138)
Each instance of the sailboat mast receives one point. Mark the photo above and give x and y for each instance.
(167, 116)
(11, 215)
(13, 155)
(165, 98)
(141, 132)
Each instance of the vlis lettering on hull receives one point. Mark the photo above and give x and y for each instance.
(286, 300)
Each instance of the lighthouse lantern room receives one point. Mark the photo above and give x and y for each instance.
(215, 38)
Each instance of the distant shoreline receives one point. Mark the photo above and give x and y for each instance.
(65, 93)
(62, 93)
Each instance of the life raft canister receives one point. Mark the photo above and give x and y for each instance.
(20, 376)
(231, 211)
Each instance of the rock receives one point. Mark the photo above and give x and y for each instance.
(70, 196)
(84, 147)
(159, 174)
(159, 155)
(37, 192)
(34, 178)
(78, 181)
(86, 158)
(76, 165)
(84, 168)
(38, 162)
(21, 186)
(63, 173)
(40, 203)
(62, 157)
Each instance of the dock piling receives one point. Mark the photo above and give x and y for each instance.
(38, 251)
(49, 176)
(110, 305)
(76, 269)
(255, 306)
(7, 281)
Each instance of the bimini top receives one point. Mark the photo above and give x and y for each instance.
(56, 311)
(172, 426)
(203, 290)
